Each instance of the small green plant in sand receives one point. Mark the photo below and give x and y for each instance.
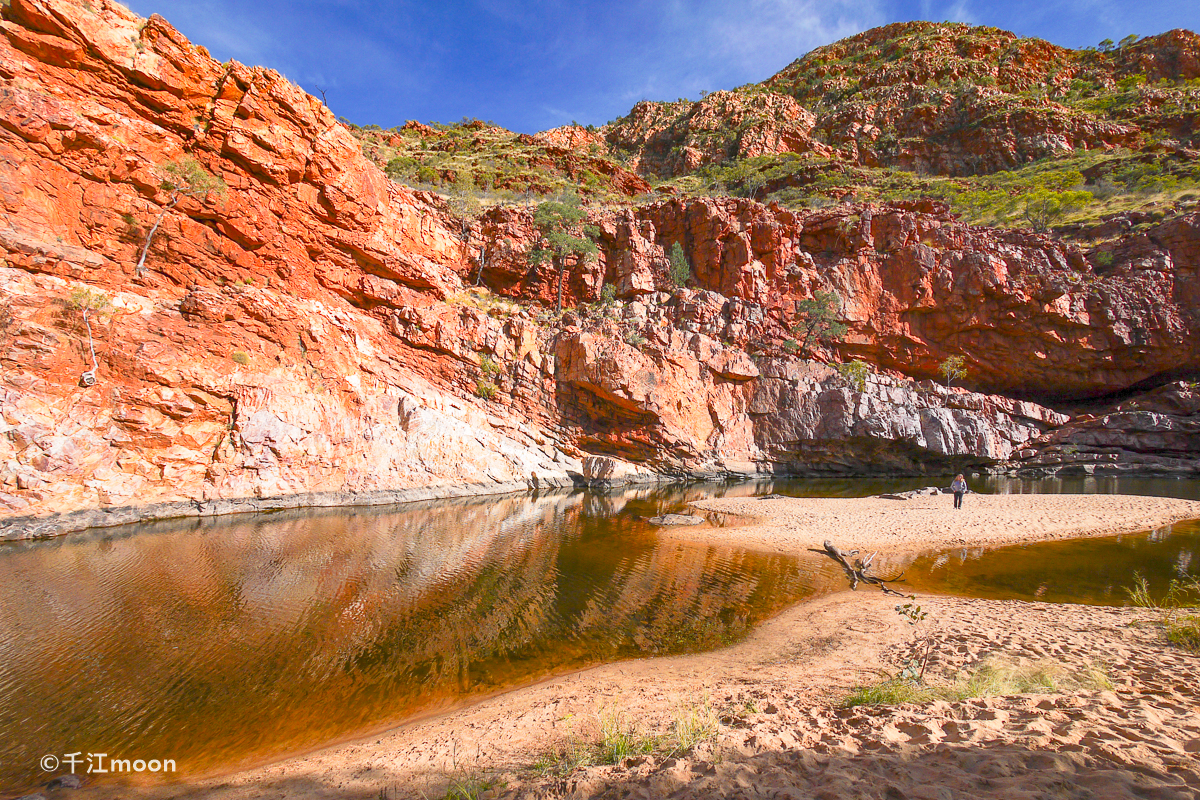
(620, 739)
(565, 759)
(991, 678)
(468, 787)
(890, 692)
(615, 740)
(909, 685)
(994, 677)
(695, 724)
(914, 615)
(1178, 611)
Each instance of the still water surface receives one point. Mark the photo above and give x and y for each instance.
(221, 643)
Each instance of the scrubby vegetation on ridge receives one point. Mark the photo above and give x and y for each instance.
(1010, 131)
(493, 164)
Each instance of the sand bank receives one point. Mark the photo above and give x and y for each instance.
(780, 732)
(931, 522)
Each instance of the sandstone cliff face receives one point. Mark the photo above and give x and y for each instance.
(310, 335)
(685, 402)
(95, 102)
(1032, 316)
(239, 362)
(188, 409)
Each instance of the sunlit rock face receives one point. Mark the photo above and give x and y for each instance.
(243, 359)
(1032, 317)
(306, 333)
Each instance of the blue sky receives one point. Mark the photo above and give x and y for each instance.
(538, 64)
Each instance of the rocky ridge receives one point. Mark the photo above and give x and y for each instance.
(946, 98)
(310, 334)
(474, 156)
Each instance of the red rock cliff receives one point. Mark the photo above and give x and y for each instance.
(1032, 316)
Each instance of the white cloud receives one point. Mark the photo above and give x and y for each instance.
(762, 36)
(961, 12)
(690, 46)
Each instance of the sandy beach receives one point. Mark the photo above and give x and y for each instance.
(929, 522)
(768, 710)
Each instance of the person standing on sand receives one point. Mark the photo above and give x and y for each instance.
(959, 487)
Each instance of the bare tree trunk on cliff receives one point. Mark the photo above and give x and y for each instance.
(150, 236)
(562, 274)
(184, 177)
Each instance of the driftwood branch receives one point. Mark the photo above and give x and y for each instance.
(857, 571)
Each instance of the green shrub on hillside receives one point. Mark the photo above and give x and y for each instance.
(855, 373)
(679, 271)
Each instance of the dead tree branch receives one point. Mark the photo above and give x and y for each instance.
(857, 571)
(150, 236)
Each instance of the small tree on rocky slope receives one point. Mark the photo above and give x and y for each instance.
(679, 271)
(816, 321)
(561, 225)
(184, 177)
(1044, 206)
(953, 368)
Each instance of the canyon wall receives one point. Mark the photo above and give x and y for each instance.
(1033, 317)
(305, 331)
(241, 361)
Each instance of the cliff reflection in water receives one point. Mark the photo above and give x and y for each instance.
(222, 642)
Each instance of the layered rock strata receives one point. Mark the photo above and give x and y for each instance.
(1155, 432)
